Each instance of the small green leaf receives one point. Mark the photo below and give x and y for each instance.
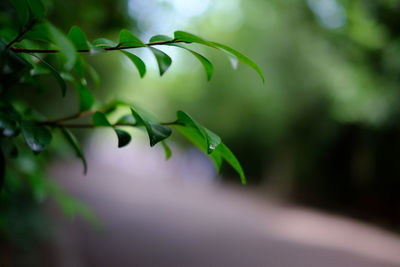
(78, 38)
(163, 60)
(56, 75)
(156, 132)
(194, 137)
(103, 43)
(36, 136)
(242, 58)
(227, 155)
(86, 99)
(137, 61)
(160, 38)
(208, 67)
(123, 137)
(99, 119)
(191, 38)
(76, 146)
(22, 8)
(167, 150)
(66, 47)
(212, 140)
(126, 38)
(38, 10)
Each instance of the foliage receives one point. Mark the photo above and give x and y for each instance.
(32, 48)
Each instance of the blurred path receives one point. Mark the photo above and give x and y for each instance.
(154, 216)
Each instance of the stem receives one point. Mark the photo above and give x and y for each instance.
(70, 117)
(49, 51)
(72, 125)
(19, 36)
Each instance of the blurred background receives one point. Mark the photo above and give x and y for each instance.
(322, 132)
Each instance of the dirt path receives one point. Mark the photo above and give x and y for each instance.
(155, 216)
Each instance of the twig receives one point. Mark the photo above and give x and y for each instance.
(19, 36)
(50, 51)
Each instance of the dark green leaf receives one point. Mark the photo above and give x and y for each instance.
(160, 38)
(38, 10)
(167, 150)
(191, 38)
(208, 67)
(54, 72)
(76, 146)
(36, 136)
(137, 61)
(79, 66)
(39, 32)
(103, 43)
(8, 125)
(78, 38)
(22, 10)
(86, 99)
(242, 58)
(156, 132)
(126, 38)
(227, 155)
(163, 60)
(212, 140)
(66, 47)
(123, 137)
(99, 119)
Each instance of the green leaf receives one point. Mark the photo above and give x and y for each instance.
(36, 136)
(227, 155)
(193, 136)
(126, 38)
(167, 150)
(38, 10)
(76, 146)
(103, 43)
(137, 61)
(66, 47)
(56, 75)
(22, 8)
(160, 38)
(191, 38)
(78, 38)
(156, 132)
(123, 137)
(163, 60)
(86, 99)
(221, 152)
(39, 32)
(211, 139)
(99, 119)
(242, 58)
(208, 67)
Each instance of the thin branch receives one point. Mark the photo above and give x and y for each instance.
(19, 36)
(88, 126)
(50, 51)
(70, 117)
